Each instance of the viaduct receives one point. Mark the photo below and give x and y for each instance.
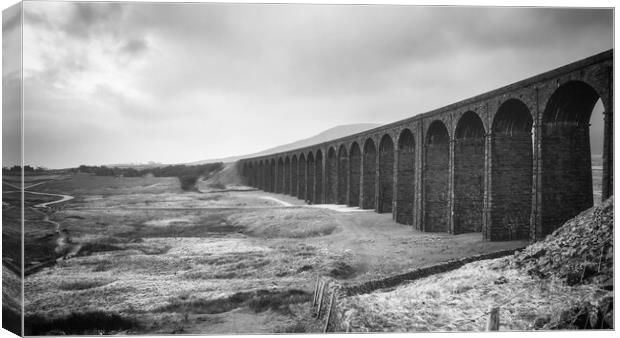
(512, 163)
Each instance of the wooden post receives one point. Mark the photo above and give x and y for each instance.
(321, 292)
(318, 293)
(493, 322)
(332, 303)
(316, 289)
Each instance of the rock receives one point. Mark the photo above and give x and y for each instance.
(501, 280)
(541, 321)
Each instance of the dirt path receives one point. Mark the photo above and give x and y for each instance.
(286, 204)
(63, 198)
(63, 240)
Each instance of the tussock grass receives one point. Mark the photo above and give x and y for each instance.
(83, 284)
(278, 301)
(341, 270)
(257, 301)
(92, 322)
(285, 223)
(458, 301)
(228, 267)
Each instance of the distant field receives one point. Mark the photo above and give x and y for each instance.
(168, 261)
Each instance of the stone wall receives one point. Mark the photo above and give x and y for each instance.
(567, 173)
(318, 179)
(310, 166)
(405, 193)
(436, 177)
(369, 179)
(331, 175)
(294, 176)
(355, 169)
(511, 190)
(468, 184)
(386, 175)
(301, 178)
(343, 176)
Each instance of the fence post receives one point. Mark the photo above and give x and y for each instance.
(330, 309)
(493, 322)
(321, 292)
(316, 290)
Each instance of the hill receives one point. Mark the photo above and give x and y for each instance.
(562, 282)
(329, 134)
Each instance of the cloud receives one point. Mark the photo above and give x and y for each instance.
(92, 18)
(11, 18)
(177, 82)
(135, 46)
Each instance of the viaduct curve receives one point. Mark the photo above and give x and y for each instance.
(512, 163)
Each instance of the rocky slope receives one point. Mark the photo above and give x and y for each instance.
(562, 282)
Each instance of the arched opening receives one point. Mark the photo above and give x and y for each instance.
(405, 190)
(331, 186)
(369, 172)
(310, 178)
(272, 176)
(566, 154)
(261, 175)
(280, 176)
(318, 192)
(301, 178)
(511, 172)
(249, 174)
(244, 170)
(343, 169)
(294, 175)
(287, 175)
(270, 171)
(436, 211)
(255, 175)
(386, 174)
(468, 174)
(355, 164)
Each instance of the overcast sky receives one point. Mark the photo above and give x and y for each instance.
(171, 82)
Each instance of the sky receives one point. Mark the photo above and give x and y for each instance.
(180, 82)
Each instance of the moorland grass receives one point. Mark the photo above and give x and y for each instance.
(258, 301)
(91, 322)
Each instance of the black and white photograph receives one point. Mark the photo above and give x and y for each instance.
(233, 168)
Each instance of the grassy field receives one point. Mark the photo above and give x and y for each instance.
(145, 257)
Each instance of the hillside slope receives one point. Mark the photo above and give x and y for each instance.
(329, 134)
(562, 282)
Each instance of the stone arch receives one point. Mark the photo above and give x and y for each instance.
(566, 158)
(294, 175)
(468, 173)
(369, 173)
(331, 184)
(511, 172)
(343, 170)
(271, 184)
(319, 186)
(261, 175)
(280, 176)
(386, 174)
(405, 190)
(287, 175)
(302, 177)
(249, 174)
(355, 164)
(310, 181)
(244, 169)
(436, 176)
(255, 174)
